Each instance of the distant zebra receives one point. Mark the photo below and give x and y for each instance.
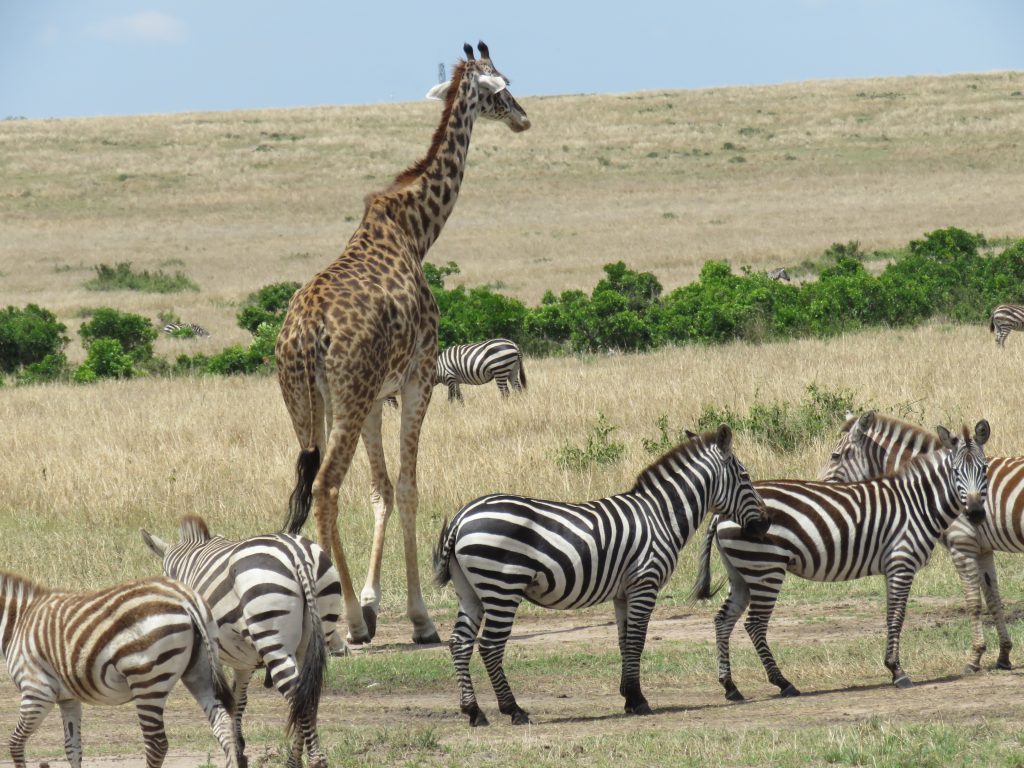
(498, 359)
(888, 526)
(779, 274)
(132, 642)
(1006, 318)
(873, 445)
(500, 550)
(196, 330)
(275, 599)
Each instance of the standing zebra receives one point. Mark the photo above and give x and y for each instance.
(195, 330)
(498, 359)
(132, 642)
(888, 526)
(874, 445)
(1006, 318)
(274, 599)
(500, 550)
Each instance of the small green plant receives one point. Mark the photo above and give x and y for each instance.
(600, 448)
(106, 360)
(53, 367)
(28, 336)
(666, 440)
(184, 332)
(121, 277)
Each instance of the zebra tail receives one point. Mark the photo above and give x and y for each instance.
(442, 556)
(702, 589)
(992, 322)
(299, 503)
(306, 694)
(522, 372)
(221, 688)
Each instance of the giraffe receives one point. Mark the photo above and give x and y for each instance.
(365, 328)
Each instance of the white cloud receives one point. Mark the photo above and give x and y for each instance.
(145, 27)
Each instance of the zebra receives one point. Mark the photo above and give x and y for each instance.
(873, 445)
(275, 599)
(779, 275)
(195, 330)
(500, 550)
(131, 642)
(1006, 318)
(497, 359)
(838, 532)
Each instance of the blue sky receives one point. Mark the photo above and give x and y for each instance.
(61, 58)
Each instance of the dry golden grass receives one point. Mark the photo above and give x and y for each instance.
(239, 200)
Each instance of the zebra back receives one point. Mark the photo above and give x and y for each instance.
(873, 445)
(477, 363)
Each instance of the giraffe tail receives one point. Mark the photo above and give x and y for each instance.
(301, 500)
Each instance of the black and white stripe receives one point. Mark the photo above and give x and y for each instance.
(779, 275)
(823, 532)
(501, 550)
(129, 643)
(196, 330)
(1006, 318)
(873, 445)
(276, 599)
(479, 363)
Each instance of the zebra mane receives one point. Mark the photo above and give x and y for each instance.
(686, 449)
(194, 528)
(12, 581)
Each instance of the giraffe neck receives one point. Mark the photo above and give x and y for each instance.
(423, 197)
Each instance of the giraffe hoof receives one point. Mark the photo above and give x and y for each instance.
(430, 639)
(358, 637)
(903, 682)
(789, 691)
(972, 669)
(1003, 664)
(370, 617)
(734, 695)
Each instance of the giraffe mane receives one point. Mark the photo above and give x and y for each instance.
(193, 528)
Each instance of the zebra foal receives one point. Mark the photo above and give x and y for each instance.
(501, 550)
(888, 526)
(873, 445)
(276, 600)
(131, 642)
(479, 363)
(1006, 318)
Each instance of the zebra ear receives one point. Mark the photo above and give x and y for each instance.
(862, 425)
(724, 439)
(947, 440)
(155, 544)
(690, 434)
(982, 432)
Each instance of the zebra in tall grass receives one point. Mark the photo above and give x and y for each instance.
(1006, 318)
(501, 550)
(824, 532)
(873, 445)
(275, 598)
(131, 642)
(187, 328)
(479, 363)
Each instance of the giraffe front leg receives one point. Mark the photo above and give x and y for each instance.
(30, 714)
(382, 500)
(71, 714)
(632, 638)
(897, 589)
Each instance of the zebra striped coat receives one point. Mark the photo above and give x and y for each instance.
(501, 550)
(196, 330)
(128, 643)
(479, 363)
(275, 599)
(888, 526)
(1006, 318)
(874, 445)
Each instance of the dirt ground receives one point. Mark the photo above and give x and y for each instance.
(952, 698)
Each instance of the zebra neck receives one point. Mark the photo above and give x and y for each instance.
(929, 477)
(16, 594)
(680, 504)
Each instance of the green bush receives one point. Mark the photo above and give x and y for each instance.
(121, 277)
(28, 336)
(267, 305)
(53, 367)
(133, 332)
(106, 360)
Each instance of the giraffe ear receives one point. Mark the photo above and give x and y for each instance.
(491, 83)
(439, 91)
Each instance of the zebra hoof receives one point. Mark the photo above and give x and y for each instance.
(640, 708)
(432, 639)
(789, 691)
(370, 617)
(520, 718)
(972, 669)
(478, 719)
(903, 682)
(734, 695)
(1004, 665)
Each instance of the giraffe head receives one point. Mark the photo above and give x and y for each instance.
(496, 102)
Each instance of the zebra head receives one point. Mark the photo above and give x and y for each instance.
(496, 103)
(856, 456)
(732, 493)
(968, 467)
(193, 532)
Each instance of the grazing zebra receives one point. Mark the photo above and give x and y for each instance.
(887, 526)
(874, 445)
(197, 330)
(500, 550)
(780, 274)
(131, 642)
(1006, 318)
(498, 359)
(274, 598)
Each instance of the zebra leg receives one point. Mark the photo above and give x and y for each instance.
(464, 633)
(30, 714)
(454, 393)
(986, 563)
(762, 603)
(71, 714)
(966, 564)
(198, 679)
(151, 718)
(497, 628)
(632, 636)
(382, 499)
(502, 383)
(897, 589)
(725, 621)
(240, 692)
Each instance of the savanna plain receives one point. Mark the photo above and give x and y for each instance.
(764, 177)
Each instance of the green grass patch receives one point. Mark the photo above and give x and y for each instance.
(121, 277)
